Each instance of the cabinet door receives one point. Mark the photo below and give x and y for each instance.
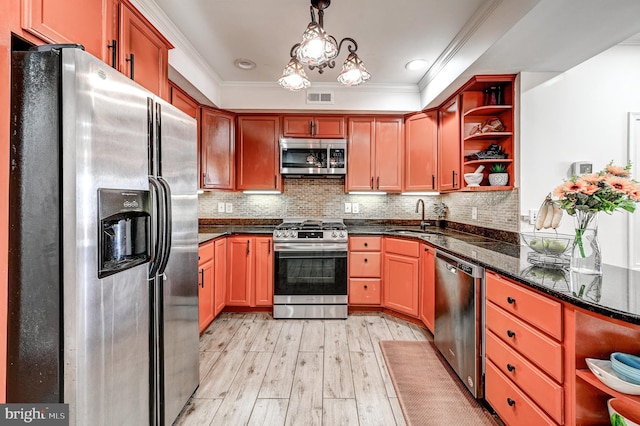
(183, 101)
(449, 147)
(239, 271)
(220, 275)
(360, 154)
(421, 152)
(264, 272)
(143, 52)
(67, 21)
(427, 287)
(217, 149)
(364, 291)
(401, 283)
(388, 149)
(205, 295)
(258, 162)
(328, 127)
(297, 126)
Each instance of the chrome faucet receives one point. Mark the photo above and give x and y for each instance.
(423, 224)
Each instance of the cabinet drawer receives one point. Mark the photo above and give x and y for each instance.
(365, 243)
(403, 247)
(526, 340)
(364, 291)
(537, 310)
(537, 385)
(365, 265)
(511, 404)
(205, 252)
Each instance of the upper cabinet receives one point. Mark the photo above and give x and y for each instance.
(217, 149)
(375, 154)
(322, 126)
(258, 155)
(487, 127)
(68, 21)
(421, 152)
(183, 101)
(449, 145)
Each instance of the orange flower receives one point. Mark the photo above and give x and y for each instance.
(572, 187)
(592, 178)
(558, 192)
(617, 170)
(619, 184)
(590, 189)
(634, 193)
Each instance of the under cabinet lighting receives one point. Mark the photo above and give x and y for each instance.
(367, 193)
(260, 192)
(421, 193)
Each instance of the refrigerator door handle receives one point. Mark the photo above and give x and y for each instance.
(160, 219)
(167, 225)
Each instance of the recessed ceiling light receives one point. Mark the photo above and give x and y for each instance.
(244, 64)
(416, 64)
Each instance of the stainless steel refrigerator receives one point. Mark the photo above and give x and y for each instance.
(103, 301)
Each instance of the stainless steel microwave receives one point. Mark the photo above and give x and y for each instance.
(313, 157)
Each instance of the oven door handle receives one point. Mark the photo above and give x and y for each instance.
(309, 248)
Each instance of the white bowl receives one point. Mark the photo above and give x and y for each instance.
(627, 414)
(473, 179)
(602, 369)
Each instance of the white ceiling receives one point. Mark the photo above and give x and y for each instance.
(458, 38)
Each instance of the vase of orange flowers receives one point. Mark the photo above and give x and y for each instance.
(584, 197)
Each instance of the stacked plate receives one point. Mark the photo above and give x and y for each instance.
(626, 367)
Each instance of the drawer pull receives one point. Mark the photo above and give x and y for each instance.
(511, 402)
(511, 300)
(366, 244)
(366, 260)
(511, 367)
(511, 333)
(365, 287)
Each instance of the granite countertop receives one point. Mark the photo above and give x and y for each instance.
(616, 294)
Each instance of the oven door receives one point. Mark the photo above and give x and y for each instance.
(310, 270)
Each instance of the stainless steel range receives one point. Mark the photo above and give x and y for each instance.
(310, 273)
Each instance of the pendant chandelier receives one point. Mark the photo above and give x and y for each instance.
(319, 50)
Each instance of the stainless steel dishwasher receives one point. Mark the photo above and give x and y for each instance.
(459, 318)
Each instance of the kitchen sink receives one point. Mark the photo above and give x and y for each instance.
(415, 231)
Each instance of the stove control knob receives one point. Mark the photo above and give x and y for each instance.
(342, 234)
(291, 234)
(334, 234)
(277, 234)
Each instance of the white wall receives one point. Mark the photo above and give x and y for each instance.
(579, 115)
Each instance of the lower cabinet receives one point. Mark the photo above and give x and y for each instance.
(365, 271)
(427, 287)
(401, 275)
(206, 284)
(250, 271)
(220, 274)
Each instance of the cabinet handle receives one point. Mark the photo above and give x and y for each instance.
(378, 182)
(366, 244)
(311, 129)
(511, 402)
(114, 56)
(371, 182)
(275, 181)
(366, 260)
(365, 287)
(511, 300)
(511, 333)
(248, 247)
(433, 181)
(131, 61)
(202, 277)
(511, 367)
(269, 248)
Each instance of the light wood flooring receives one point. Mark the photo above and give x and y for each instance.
(255, 370)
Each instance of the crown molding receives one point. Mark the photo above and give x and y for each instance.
(368, 87)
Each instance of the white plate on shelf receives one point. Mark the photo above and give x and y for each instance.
(602, 369)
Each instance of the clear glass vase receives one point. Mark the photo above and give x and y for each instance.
(586, 256)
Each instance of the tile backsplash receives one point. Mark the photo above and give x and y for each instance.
(326, 198)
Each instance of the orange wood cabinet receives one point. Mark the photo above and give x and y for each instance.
(427, 286)
(421, 152)
(250, 271)
(365, 271)
(525, 357)
(258, 155)
(217, 149)
(206, 284)
(220, 275)
(401, 275)
(321, 126)
(375, 154)
(449, 147)
(181, 100)
(68, 21)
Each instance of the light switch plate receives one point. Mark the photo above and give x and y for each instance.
(474, 213)
(220, 207)
(347, 207)
(355, 208)
(228, 207)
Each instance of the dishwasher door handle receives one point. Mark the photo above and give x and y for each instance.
(452, 269)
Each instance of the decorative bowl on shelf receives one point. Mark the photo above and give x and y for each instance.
(547, 243)
(473, 179)
(623, 413)
(626, 367)
(601, 368)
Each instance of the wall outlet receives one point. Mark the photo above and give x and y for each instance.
(533, 216)
(474, 213)
(347, 207)
(355, 208)
(220, 207)
(228, 207)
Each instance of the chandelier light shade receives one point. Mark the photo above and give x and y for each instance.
(318, 50)
(293, 77)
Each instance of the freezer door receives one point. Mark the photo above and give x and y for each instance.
(177, 170)
(106, 321)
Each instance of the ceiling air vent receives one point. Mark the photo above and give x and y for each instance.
(319, 97)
